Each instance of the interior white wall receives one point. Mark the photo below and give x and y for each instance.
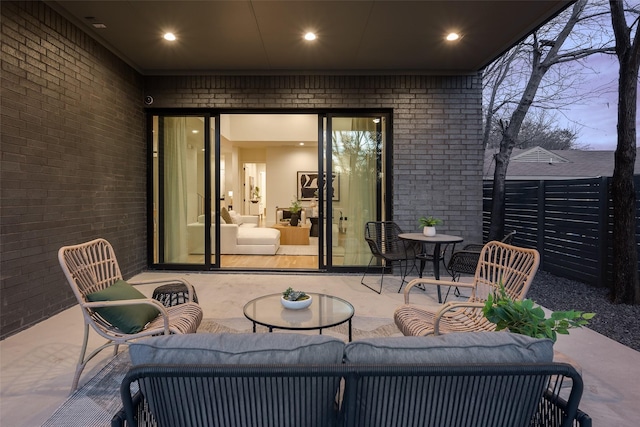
(271, 127)
(283, 163)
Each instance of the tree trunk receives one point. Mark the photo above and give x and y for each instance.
(626, 283)
(510, 132)
(496, 227)
(509, 137)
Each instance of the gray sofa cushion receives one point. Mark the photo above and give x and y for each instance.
(466, 397)
(247, 399)
(463, 348)
(194, 349)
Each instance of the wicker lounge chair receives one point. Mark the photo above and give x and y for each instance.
(512, 266)
(91, 268)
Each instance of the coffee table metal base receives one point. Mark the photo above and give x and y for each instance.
(271, 328)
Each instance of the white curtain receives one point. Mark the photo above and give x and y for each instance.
(175, 184)
(355, 157)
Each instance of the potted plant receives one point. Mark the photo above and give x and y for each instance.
(295, 300)
(428, 225)
(522, 317)
(294, 209)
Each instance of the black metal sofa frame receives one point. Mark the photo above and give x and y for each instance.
(539, 395)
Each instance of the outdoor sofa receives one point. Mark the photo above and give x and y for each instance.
(459, 379)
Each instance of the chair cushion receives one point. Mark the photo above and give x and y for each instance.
(224, 213)
(454, 348)
(129, 318)
(237, 349)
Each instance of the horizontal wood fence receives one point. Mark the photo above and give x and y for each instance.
(570, 222)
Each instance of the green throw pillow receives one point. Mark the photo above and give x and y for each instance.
(128, 318)
(224, 213)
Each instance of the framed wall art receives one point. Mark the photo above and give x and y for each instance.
(307, 185)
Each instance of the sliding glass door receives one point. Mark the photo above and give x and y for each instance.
(206, 166)
(357, 160)
(183, 173)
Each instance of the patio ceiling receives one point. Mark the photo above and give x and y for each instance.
(265, 37)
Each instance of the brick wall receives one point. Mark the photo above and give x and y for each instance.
(437, 148)
(73, 163)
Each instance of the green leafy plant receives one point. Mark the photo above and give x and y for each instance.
(292, 295)
(523, 317)
(295, 206)
(429, 221)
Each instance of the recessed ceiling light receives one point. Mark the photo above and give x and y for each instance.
(169, 36)
(301, 143)
(453, 37)
(310, 36)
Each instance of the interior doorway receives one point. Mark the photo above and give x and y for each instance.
(254, 189)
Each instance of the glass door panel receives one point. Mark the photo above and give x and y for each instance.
(357, 165)
(179, 203)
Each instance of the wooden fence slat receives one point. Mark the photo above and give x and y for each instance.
(570, 222)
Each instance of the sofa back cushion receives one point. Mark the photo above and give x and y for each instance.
(440, 398)
(455, 348)
(213, 219)
(236, 217)
(224, 214)
(211, 349)
(226, 398)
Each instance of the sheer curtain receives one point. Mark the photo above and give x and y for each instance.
(175, 184)
(356, 158)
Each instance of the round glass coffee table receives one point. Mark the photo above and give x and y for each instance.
(325, 311)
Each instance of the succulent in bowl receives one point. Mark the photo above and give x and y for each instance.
(291, 295)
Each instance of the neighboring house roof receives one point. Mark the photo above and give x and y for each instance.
(538, 163)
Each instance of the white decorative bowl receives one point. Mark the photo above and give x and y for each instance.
(296, 305)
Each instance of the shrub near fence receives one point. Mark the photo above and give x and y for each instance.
(570, 222)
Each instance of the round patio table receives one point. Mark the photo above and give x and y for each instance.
(325, 311)
(437, 241)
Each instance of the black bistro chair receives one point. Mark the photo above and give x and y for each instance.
(386, 246)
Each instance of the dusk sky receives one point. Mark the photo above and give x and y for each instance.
(596, 119)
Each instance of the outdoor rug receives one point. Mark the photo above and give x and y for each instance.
(362, 327)
(95, 403)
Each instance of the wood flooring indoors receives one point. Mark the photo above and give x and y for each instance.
(279, 262)
(270, 261)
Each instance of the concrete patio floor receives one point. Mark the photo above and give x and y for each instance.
(37, 365)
